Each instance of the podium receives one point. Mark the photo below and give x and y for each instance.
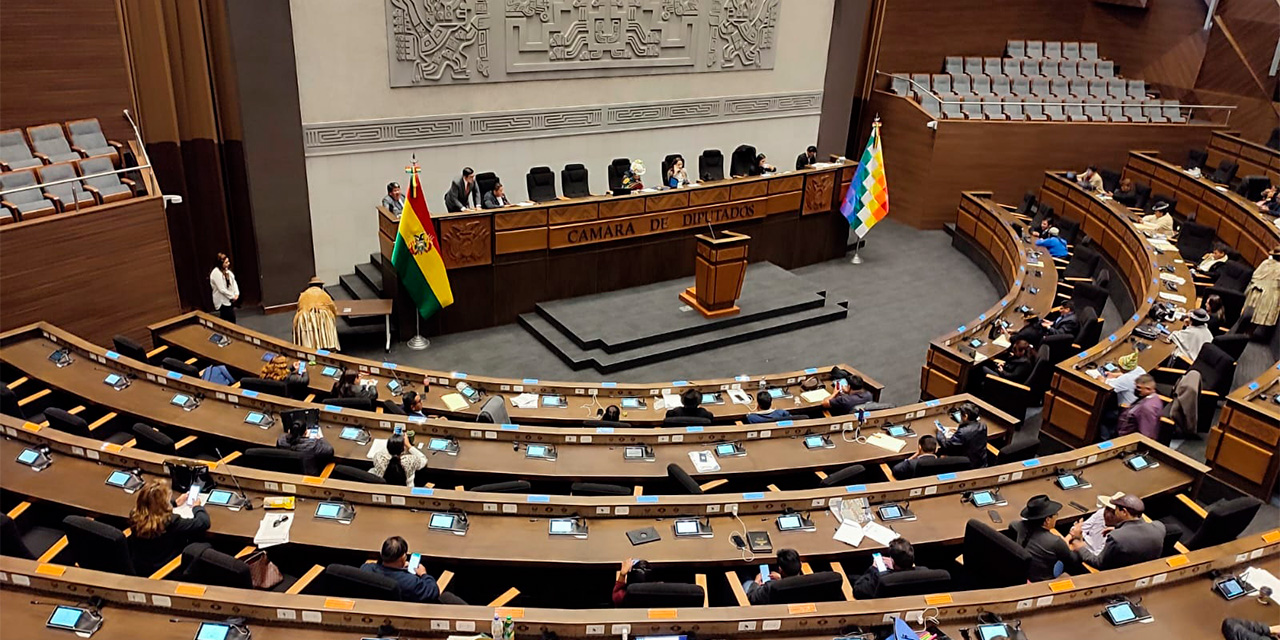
(721, 262)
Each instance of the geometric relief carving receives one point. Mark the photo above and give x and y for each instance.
(466, 242)
(434, 42)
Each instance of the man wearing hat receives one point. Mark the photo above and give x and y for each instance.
(1159, 221)
(1057, 246)
(1263, 294)
(1130, 541)
(315, 323)
(1050, 554)
(1189, 340)
(394, 202)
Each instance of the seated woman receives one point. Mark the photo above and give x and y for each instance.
(676, 175)
(761, 167)
(159, 534)
(294, 376)
(399, 462)
(296, 438)
(349, 385)
(633, 572)
(1126, 194)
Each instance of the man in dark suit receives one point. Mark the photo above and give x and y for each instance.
(902, 558)
(496, 198)
(1130, 541)
(926, 447)
(393, 562)
(807, 158)
(689, 401)
(463, 193)
(969, 439)
(761, 592)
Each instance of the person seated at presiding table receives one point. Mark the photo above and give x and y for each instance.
(926, 447)
(400, 458)
(1089, 179)
(1212, 261)
(1160, 220)
(765, 411)
(1050, 553)
(1129, 540)
(762, 167)
(315, 323)
(313, 444)
(415, 586)
(1057, 247)
(1126, 193)
(394, 200)
(969, 439)
(761, 592)
(850, 393)
(902, 558)
(1188, 341)
(690, 401)
(676, 174)
(158, 533)
(496, 198)
(809, 157)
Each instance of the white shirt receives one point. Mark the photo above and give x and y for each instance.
(1126, 385)
(1209, 261)
(223, 293)
(1189, 341)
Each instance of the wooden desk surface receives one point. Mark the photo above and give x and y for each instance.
(353, 308)
(79, 483)
(191, 332)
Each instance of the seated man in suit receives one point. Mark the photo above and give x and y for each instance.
(765, 411)
(496, 198)
(926, 447)
(1063, 323)
(969, 439)
(902, 558)
(462, 194)
(761, 592)
(690, 401)
(810, 156)
(393, 562)
(1130, 541)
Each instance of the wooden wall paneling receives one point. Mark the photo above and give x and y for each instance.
(97, 273)
(572, 273)
(517, 284)
(1162, 44)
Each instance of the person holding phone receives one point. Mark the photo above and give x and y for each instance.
(902, 557)
(969, 439)
(297, 437)
(418, 586)
(760, 589)
(926, 447)
(400, 462)
(293, 375)
(159, 534)
(351, 385)
(850, 393)
(633, 571)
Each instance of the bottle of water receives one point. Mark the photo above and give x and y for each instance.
(495, 628)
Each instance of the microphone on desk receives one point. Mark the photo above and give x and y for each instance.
(248, 504)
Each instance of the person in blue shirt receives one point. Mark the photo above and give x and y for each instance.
(418, 586)
(764, 402)
(1056, 246)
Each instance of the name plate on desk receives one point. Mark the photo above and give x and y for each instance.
(574, 235)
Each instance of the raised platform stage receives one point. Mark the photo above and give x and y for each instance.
(641, 325)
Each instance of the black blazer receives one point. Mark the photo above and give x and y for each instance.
(906, 469)
(1016, 370)
(151, 554)
(803, 161)
(458, 198)
(1068, 325)
(681, 412)
(491, 201)
(969, 440)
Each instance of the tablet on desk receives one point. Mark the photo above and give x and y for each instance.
(213, 631)
(334, 511)
(445, 445)
(257, 418)
(34, 459)
(1120, 613)
(554, 402)
(220, 497)
(687, 528)
(993, 631)
(540, 451)
(636, 452)
(1068, 481)
(777, 392)
(890, 512)
(897, 430)
(633, 403)
(331, 372)
(122, 479)
(1138, 462)
(817, 442)
(443, 521)
(712, 398)
(983, 498)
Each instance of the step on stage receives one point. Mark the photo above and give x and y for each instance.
(623, 329)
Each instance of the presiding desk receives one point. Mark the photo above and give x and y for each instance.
(987, 229)
(485, 450)
(1175, 590)
(503, 261)
(1078, 394)
(1244, 447)
(189, 334)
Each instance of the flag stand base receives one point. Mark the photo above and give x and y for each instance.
(857, 259)
(417, 342)
(857, 247)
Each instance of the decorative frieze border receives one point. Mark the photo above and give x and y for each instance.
(362, 136)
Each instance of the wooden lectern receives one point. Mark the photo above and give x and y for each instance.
(721, 262)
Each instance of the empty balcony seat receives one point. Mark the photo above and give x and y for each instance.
(50, 144)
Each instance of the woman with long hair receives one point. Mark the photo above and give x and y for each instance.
(400, 462)
(225, 290)
(159, 534)
(292, 374)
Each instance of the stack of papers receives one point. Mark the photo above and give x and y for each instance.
(815, 396)
(886, 442)
(454, 401)
(878, 532)
(1173, 297)
(1178, 280)
(379, 445)
(850, 534)
(1258, 577)
(525, 401)
(1001, 341)
(738, 396)
(704, 461)
(669, 401)
(273, 530)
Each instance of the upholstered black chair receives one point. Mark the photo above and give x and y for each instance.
(685, 421)
(1144, 195)
(942, 464)
(847, 475)
(345, 581)
(1018, 450)
(573, 181)
(617, 169)
(129, 348)
(1234, 275)
(606, 424)
(683, 480)
(649, 595)
(1226, 172)
(27, 542)
(1194, 240)
(742, 161)
(177, 366)
(1232, 343)
(280, 460)
(1223, 522)
(485, 182)
(1028, 205)
(1196, 159)
(992, 560)
(509, 486)
(918, 582)
(1083, 264)
(711, 165)
(97, 546)
(1090, 329)
(352, 474)
(494, 411)
(598, 489)
(1110, 179)
(1087, 294)
(820, 586)
(541, 183)
(149, 438)
(361, 404)
(269, 387)
(203, 564)
(1251, 187)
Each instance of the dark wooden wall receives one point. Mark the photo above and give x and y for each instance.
(97, 273)
(63, 60)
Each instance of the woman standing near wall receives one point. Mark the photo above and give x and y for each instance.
(225, 290)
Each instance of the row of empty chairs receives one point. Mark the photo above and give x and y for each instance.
(945, 84)
(36, 198)
(977, 66)
(1055, 109)
(53, 143)
(1051, 49)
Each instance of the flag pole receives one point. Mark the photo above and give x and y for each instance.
(857, 259)
(417, 342)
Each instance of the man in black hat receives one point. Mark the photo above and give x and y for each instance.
(1050, 554)
(1130, 541)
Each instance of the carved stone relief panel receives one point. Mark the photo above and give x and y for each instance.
(434, 42)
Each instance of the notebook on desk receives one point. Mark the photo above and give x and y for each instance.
(454, 401)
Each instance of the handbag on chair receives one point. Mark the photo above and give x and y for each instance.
(262, 571)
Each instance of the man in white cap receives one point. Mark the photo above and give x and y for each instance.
(1057, 246)
(1159, 221)
(1189, 340)
(1130, 541)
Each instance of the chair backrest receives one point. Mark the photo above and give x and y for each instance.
(1232, 303)
(1134, 113)
(1031, 67)
(685, 421)
(1194, 240)
(574, 181)
(953, 64)
(662, 595)
(1234, 274)
(973, 65)
(1042, 372)
(507, 486)
(821, 586)
(66, 190)
(1021, 85)
(87, 134)
(1090, 328)
(494, 411)
(1090, 295)
(1173, 111)
(941, 464)
(273, 459)
(49, 139)
(917, 582)
(1233, 344)
(1226, 172)
(961, 84)
(1053, 49)
(1068, 68)
(1087, 68)
(362, 404)
(485, 182)
(9, 403)
(607, 424)
(1251, 187)
(844, 476)
(982, 85)
(14, 149)
(682, 479)
(350, 582)
(67, 422)
(350, 473)
(994, 560)
(1059, 346)
(129, 348)
(598, 489)
(1050, 69)
(742, 160)
(1106, 69)
(1000, 85)
(941, 83)
(178, 366)
(1071, 50)
(1089, 50)
(541, 184)
(991, 67)
(1035, 49)
(711, 165)
(11, 543)
(617, 169)
(1137, 89)
(206, 565)
(1083, 263)
(1011, 67)
(263, 385)
(1217, 369)
(98, 164)
(1225, 521)
(97, 545)
(151, 439)
(1059, 86)
(1018, 450)
(1016, 48)
(666, 165)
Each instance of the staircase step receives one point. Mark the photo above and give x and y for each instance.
(371, 274)
(357, 287)
(337, 292)
(375, 259)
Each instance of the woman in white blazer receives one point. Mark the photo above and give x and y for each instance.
(225, 290)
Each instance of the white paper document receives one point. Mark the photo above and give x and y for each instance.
(1001, 341)
(273, 530)
(1173, 297)
(880, 533)
(886, 442)
(1259, 577)
(669, 401)
(738, 396)
(379, 445)
(704, 461)
(815, 396)
(850, 534)
(525, 401)
(1178, 280)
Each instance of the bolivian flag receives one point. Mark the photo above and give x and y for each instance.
(416, 257)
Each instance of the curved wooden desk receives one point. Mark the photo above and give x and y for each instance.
(988, 228)
(1074, 404)
(1244, 447)
(189, 334)
(1178, 596)
(485, 449)
(507, 260)
(1253, 159)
